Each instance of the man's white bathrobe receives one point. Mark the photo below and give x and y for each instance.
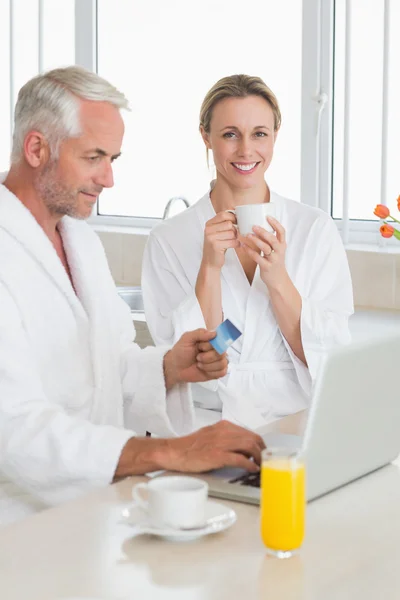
(265, 379)
(73, 386)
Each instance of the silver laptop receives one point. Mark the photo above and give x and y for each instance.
(353, 427)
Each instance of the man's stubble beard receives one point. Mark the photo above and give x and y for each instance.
(59, 199)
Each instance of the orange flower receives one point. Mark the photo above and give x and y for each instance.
(386, 230)
(398, 203)
(382, 211)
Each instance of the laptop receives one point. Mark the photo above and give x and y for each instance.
(353, 425)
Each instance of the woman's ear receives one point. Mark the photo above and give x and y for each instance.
(206, 137)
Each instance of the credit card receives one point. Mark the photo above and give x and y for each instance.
(227, 333)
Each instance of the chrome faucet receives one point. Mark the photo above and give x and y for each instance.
(171, 201)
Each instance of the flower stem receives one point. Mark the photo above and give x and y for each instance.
(390, 216)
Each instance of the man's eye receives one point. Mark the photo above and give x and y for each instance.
(93, 158)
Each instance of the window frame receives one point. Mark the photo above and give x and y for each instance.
(317, 113)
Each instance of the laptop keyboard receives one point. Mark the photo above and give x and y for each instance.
(252, 479)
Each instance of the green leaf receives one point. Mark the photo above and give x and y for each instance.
(396, 234)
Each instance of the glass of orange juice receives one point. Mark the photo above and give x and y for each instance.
(283, 501)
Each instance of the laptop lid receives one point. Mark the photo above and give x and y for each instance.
(353, 426)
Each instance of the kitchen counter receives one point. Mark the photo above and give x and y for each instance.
(370, 322)
(82, 551)
(364, 324)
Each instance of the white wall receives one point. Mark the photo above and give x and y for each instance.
(375, 274)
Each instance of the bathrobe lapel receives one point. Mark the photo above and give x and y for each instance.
(23, 227)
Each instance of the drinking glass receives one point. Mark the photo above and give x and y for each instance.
(283, 501)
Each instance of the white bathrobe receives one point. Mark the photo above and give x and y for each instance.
(73, 385)
(265, 379)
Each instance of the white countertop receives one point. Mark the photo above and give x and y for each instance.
(80, 551)
(371, 322)
(364, 323)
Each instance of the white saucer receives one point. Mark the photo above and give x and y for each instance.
(223, 515)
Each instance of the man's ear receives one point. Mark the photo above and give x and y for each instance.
(36, 149)
(206, 137)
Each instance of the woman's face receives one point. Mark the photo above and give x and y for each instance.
(242, 139)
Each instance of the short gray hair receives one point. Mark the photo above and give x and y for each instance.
(49, 103)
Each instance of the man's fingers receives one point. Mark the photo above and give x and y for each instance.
(210, 356)
(200, 335)
(210, 375)
(242, 434)
(233, 459)
(254, 451)
(205, 346)
(247, 447)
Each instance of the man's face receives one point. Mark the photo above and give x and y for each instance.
(71, 184)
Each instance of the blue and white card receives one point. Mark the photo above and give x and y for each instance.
(227, 333)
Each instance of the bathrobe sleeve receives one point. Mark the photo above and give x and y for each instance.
(170, 300)
(148, 406)
(327, 298)
(49, 454)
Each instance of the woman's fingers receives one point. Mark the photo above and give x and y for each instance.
(278, 228)
(222, 235)
(262, 236)
(221, 217)
(256, 256)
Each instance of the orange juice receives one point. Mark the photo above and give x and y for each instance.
(282, 503)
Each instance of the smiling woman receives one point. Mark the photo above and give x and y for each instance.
(288, 291)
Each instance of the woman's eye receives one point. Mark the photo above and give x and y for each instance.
(261, 134)
(229, 134)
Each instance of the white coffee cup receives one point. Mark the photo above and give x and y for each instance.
(249, 215)
(175, 501)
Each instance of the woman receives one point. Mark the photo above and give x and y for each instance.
(289, 292)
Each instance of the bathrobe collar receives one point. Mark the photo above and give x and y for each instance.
(20, 224)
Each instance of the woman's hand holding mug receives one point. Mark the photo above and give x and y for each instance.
(219, 235)
(271, 260)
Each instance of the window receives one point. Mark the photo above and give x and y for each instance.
(372, 132)
(165, 55)
(333, 65)
(31, 41)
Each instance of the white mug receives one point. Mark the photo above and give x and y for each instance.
(249, 215)
(176, 501)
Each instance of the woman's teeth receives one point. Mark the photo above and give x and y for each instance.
(244, 167)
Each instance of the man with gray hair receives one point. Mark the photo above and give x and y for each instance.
(75, 391)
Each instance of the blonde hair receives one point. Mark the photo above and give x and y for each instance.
(49, 103)
(237, 86)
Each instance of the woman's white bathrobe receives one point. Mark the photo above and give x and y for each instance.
(73, 386)
(265, 379)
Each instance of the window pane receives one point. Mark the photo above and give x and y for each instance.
(25, 43)
(365, 122)
(5, 131)
(58, 42)
(58, 50)
(165, 56)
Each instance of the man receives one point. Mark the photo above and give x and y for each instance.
(75, 390)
